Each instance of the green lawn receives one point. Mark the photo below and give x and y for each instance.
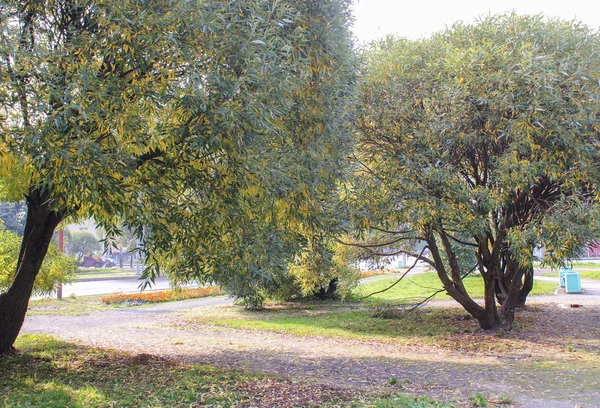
(114, 272)
(71, 306)
(49, 373)
(331, 320)
(363, 320)
(587, 270)
(417, 287)
(586, 274)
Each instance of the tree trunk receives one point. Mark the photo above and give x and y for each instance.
(507, 312)
(491, 319)
(40, 225)
(454, 287)
(527, 287)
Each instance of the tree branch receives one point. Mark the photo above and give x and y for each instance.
(399, 279)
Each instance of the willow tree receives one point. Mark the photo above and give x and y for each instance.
(210, 128)
(481, 143)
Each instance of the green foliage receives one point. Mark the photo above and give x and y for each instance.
(324, 273)
(213, 130)
(83, 243)
(483, 139)
(56, 268)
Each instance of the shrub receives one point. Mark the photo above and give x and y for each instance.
(57, 267)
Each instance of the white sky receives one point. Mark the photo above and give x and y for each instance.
(420, 18)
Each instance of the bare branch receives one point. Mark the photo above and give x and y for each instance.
(399, 279)
(395, 232)
(375, 245)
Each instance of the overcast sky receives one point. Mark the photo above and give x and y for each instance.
(420, 18)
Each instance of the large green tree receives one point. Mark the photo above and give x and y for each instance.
(481, 143)
(83, 243)
(212, 129)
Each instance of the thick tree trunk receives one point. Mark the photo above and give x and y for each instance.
(40, 225)
(490, 320)
(507, 312)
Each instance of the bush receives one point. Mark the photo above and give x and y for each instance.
(324, 273)
(57, 267)
(319, 271)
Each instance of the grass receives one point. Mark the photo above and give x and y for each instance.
(422, 327)
(586, 265)
(84, 305)
(417, 287)
(441, 328)
(51, 373)
(592, 275)
(114, 272)
(68, 306)
(358, 321)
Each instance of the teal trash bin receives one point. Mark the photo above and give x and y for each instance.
(561, 275)
(572, 282)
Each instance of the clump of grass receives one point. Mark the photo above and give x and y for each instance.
(478, 400)
(161, 296)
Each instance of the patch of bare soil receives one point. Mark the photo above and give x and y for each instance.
(270, 393)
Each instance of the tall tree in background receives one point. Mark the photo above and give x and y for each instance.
(212, 128)
(83, 243)
(482, 140)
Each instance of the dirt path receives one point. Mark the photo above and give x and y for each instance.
(342, 363)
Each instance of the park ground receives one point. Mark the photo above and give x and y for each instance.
(209, 352)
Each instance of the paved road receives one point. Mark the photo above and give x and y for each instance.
(105, 286)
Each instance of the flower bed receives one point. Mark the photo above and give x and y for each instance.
(368, 274)
(162, 296)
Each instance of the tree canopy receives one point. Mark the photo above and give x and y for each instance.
(83, 243)
(212, 129)
(482, 143)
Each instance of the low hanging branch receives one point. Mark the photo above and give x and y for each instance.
(434, 294)
(400, 278)
(424, 301)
